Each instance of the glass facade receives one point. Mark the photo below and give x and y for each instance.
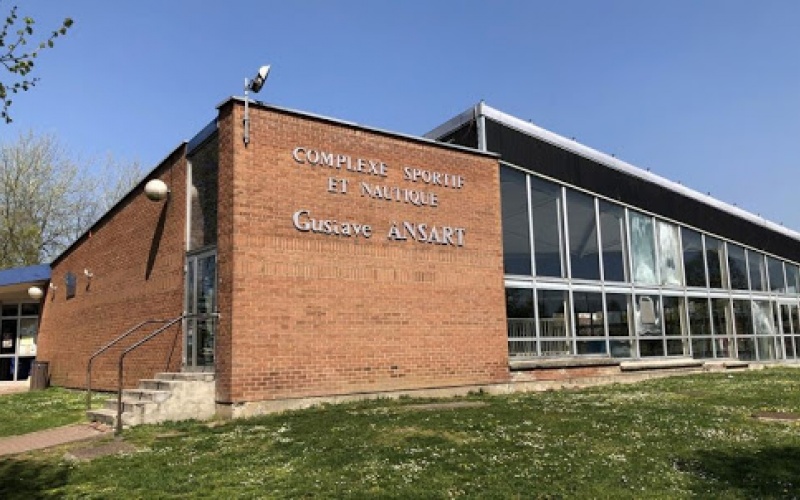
(19, 324)
(586, 276)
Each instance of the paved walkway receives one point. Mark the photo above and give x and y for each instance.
(50, 437)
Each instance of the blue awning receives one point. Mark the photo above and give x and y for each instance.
(30, 274)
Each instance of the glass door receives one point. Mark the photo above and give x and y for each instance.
(201, 299)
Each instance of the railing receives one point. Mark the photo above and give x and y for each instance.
(107, 347)
(158, 331)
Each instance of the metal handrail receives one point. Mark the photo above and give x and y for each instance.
(169, 323)
(104, 349)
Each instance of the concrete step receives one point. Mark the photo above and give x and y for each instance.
(168, 396)
(103, 416)
(661, 364)
(152, 395)
(187, 376)
(159, 384)
(133, 406)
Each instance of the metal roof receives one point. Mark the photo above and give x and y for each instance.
(30, 274)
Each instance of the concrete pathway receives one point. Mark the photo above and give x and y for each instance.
(51, 437)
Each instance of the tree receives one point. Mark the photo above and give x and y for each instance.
(14, 39)
(47, 200)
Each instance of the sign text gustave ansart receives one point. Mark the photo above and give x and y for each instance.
(418, 189)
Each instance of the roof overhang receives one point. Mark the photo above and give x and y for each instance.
(14, 283)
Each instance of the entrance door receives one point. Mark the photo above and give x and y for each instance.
(201, 298)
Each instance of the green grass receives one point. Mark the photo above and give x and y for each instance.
(682, 437)
(33, 411)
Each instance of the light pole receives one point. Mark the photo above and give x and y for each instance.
(255, 85)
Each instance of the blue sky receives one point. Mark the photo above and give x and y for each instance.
(705, 92)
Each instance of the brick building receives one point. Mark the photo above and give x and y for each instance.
(323, 259)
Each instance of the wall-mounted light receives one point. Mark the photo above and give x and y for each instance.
(255, 85)
(89, 275)
(35, 292)
(52, 287)
(156, 190)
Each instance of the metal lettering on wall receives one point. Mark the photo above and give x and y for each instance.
(418, 190)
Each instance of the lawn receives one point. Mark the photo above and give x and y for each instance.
(33, 411)
(680, 437)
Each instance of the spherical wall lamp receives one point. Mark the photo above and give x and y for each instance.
(35, 293)
(156, 190)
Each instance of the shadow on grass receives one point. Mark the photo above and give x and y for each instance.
(30, 479)
(765, 473)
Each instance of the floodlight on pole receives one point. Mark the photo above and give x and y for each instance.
(254, 85)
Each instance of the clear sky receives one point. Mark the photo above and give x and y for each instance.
(705, 92)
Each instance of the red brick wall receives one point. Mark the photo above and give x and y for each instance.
(136, 255)
(312, 314)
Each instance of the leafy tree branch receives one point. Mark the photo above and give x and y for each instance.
(18, 59)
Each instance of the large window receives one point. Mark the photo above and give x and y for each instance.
(516, 228)
(700, 327)
(614, 242)
(584, 253)
(648, 325)
(758, 271)
(765, 330)
(743, 318)
(715, 259)
(18, 330)
(546, 215)
(721, 324)
(669, 257)
(777, 283)
(792, 277)
(204, 169)
(737, 267)
(674, 329)
(553, 324)
(693, 261)
(643, 249)
(521, 322)
(589, 324)
(617, 306)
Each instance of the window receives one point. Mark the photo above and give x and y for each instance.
(521, 323)
(715, 258)
(792, 278)
(553, 326)
(546, 215)
(516, 229)
(643, 249)
(648, 325)
(777, 283)
(669, 258)
(584, 253)
(758, 271)
(617, 306)
(693, 261)
(737, 266)
(71, 281)
(612, 234)
(588, 321)
(700, 328)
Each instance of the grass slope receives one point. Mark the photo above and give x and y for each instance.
(681, 437)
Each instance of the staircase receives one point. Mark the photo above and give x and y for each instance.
(167, 397)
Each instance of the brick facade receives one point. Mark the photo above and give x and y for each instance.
(135, 254)
(315, 314)
(303, 314)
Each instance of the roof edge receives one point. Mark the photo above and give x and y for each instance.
(336, 121)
